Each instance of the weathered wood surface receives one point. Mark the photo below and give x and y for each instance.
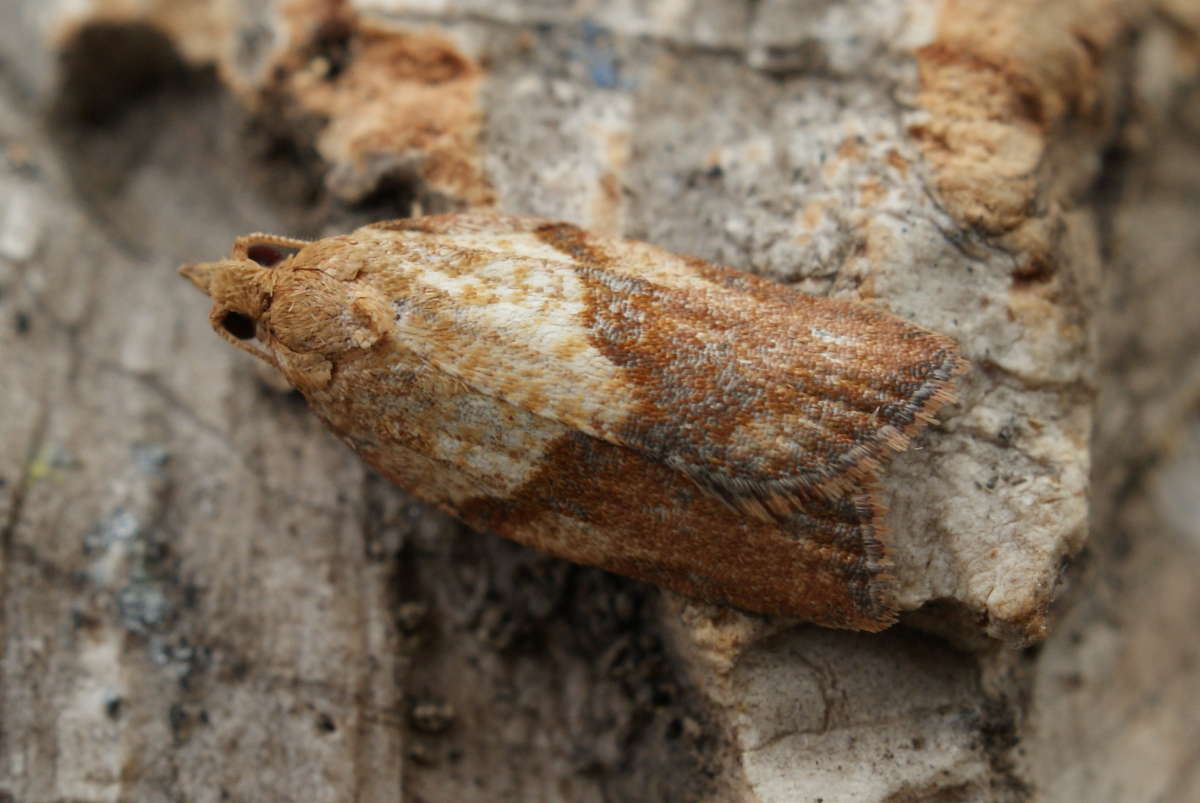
(206, 597)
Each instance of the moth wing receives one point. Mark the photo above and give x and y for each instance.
(765, 397)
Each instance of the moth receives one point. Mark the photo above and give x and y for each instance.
(604, 400)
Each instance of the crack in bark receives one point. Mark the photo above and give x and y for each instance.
(20, 490)
(16, 510)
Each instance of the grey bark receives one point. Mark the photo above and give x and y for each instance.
(205, 596)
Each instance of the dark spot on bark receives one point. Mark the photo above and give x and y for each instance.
(395, 194)
(1035, 270)
(179, 721)
(332, 43)
(108, 67)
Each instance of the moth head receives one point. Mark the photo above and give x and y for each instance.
(289, 305)
(241, 288)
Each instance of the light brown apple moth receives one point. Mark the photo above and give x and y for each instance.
(602, 399)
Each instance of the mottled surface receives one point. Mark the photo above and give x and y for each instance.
(207, 596)
(833, 179)
(605, 400)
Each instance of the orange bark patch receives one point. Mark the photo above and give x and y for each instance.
(997, 83)
(390, 98)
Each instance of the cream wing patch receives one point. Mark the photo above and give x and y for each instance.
(527, 345)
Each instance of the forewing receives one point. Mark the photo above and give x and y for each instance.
(765, 397)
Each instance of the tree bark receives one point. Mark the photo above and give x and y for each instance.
(205, 596)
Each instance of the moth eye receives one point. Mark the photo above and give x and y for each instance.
(266, 255)
(239, 325)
